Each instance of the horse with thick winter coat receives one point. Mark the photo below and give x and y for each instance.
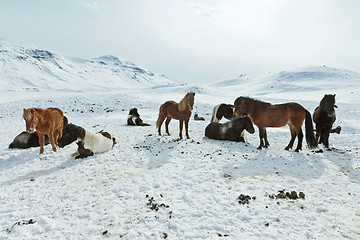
(324, 118)
(47, 121)
(232, 130)
(89, 143)
(30, 139)
(264, 115)
(134, 118)
(222, 110)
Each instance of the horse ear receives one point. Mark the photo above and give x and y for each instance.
(334, 95)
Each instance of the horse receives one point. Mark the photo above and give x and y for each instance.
(232, 130)
(324, 118)
(47, 121)
(134, 118)
(89, 143)
(27, 140)
(198, 118)
(222, 110)
(180, 111)
(264, 115)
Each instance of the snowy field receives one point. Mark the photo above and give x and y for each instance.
(159, 187)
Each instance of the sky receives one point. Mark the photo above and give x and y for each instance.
(193, 40)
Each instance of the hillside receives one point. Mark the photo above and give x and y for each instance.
(36, 69)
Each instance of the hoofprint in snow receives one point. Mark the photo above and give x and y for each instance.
(157, 187)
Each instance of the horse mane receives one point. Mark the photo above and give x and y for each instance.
(183, 103)
(256, 100)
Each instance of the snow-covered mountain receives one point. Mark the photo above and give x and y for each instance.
(35, 69)
(292, 84)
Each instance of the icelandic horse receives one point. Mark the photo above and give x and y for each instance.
(47, 121)
(180, 111)
(324, 117)
(264, 115)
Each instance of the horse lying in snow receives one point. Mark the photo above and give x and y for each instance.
(232, 130)
(30, 139)
(134, 118)
(88, 143)
(222, 110)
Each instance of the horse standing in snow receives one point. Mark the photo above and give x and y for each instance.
(324, 118)
(222, 110)
(88, 143)
(264, 114)
(134, 118)
(232, 130)
(180, 111)
(47, 121)
(27, 140)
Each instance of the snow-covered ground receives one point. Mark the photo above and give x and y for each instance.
(158, 187)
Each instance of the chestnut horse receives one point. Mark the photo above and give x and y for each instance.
(180, 111)
(47, 121)
(264, 114)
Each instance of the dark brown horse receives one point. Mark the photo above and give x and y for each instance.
(324, 118)
(180, 111)
(47, 121)
(265, 115)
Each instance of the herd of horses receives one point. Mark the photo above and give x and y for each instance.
(52, 126)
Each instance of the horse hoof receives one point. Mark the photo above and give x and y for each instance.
(259, 147)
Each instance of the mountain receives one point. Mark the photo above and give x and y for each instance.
(316, 80)
(35, 69)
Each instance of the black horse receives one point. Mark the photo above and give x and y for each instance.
(232, 130)
(222, 110)
(134, 118)
(324, 118)
(27, 140)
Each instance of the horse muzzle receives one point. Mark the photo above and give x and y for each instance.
(30, 130)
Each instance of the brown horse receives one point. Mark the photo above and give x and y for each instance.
(47, 121)
(180, 111)
(264, 115)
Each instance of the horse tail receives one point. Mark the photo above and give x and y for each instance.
(162, 113)
(309, 131)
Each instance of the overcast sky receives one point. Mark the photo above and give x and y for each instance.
(193, 40)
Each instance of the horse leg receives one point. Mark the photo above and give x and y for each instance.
(187, 129)
(267, 144)
(326, 139)
(52, 140)
(261, 135)
(160, 122)
(293, 136)
(168, 119)
(41, 141)
(181, 128)
(300, 136)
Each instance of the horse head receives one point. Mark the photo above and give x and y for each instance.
(190, 100)
(71, 133)
(248, 124)
(328, 104)
(228, 111)
(31, 119)
(240, 107)
(134, 112)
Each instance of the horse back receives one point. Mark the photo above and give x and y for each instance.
(278, 115)
(172, 110)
